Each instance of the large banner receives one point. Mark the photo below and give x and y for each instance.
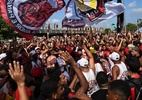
(72, 17)
(27, 16)
(90, 12)
(90, 3)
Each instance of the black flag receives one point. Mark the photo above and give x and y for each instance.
(120, 20)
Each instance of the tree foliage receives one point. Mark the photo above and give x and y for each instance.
(5, 30)
(131, 27)
(107, 30)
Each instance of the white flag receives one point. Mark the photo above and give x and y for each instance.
(112, 9)
(78, 13)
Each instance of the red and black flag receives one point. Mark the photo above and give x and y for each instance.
(27, 16)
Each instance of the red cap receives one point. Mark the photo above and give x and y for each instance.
(36, 71)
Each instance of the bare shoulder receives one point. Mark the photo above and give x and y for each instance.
(115, 67)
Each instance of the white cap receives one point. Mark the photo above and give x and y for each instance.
(3, 55)
(37, 48)
(83, 62)
(131, 46)
(114, 56)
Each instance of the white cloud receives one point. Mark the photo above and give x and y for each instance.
(137, 10)
(55, 20)
(132, 4)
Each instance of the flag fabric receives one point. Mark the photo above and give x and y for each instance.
(90, 13)
(72, 18)
(27, 16)
(89, 3)
(5, 16)
(112, 9)
(78, 10)
(120, 20)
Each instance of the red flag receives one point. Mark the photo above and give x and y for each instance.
(27, 16)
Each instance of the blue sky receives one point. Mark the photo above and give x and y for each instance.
(133, 12)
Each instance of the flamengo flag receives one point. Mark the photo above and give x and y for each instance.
(111, 9)
(72, 18)
(27, 16)
(89, 3)
(80, 12)
(90, 14)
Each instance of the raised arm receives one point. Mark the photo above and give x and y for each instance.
(91, 58)
(130, 37)
(72, 85)
(17, 74)
(119, 46)
(82, 80)
(47, 48)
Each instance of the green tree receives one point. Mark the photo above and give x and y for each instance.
(107, 30)
(131, 27)
(5, 30)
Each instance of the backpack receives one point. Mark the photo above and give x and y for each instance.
(137, 84)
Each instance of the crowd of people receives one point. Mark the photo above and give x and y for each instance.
(93, 66)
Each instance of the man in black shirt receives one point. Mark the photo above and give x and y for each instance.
(102, 80)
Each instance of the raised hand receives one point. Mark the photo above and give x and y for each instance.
(67, 57)
(16, 73)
